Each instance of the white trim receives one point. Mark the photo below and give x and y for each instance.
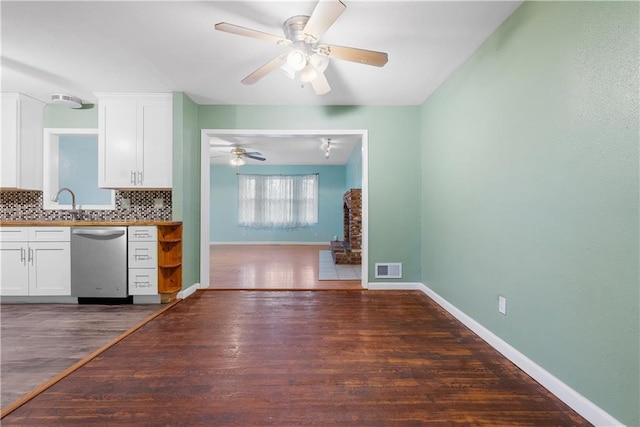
(185, 293)
(395, 286)
(206, 134)
(583, 406)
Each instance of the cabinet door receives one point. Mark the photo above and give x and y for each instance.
(49, 268)
(117, 142)
(155, 156)
(9, 146)
(143, 281)
(143, 254)
(14, 274)
(21, 148)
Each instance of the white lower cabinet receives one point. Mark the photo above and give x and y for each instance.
(143, 260)
(143, 281)
(36, 261)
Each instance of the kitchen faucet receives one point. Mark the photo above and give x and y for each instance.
(75, 214)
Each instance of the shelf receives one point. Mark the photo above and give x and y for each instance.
(169, 240)
(169, 261)
(169, 265)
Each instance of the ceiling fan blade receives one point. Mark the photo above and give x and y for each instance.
(247, 32)
(265, 69)
(363, 56)
(255, 157)
(323, 16)
(320, 84)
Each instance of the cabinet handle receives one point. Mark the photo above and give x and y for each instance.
(31, 256)
(23, 255)
(140, 177)
(133, 177)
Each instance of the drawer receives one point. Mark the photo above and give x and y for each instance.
(143, 281)
(143, 234)
(49, 234)
(143, 255)
(14, 234)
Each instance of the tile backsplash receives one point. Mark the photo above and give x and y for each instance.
(27, 206)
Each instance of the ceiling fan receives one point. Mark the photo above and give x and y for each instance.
(306, 55)
(238, 155)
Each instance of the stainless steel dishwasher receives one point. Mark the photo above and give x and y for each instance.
(99, 262)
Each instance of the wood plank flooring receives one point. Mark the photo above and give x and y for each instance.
(241, 358)
(39, 341)
(284, 267)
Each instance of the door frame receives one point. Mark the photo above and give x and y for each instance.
(205, 192)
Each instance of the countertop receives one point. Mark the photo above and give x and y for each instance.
(45, 223)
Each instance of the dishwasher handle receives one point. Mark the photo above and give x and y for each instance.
(102, 232)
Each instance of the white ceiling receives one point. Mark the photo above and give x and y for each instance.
(285, 148)
(86, 47)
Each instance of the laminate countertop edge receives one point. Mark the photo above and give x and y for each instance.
(54, 223)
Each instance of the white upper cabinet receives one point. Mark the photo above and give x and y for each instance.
(135, 141)
(21, 144)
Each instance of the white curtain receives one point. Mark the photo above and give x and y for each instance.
(277, 201)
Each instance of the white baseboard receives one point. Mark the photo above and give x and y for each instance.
(185, 293)
(583, 406)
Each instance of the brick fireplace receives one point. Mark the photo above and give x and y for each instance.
(349, 251)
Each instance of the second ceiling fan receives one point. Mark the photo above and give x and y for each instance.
(306, 55)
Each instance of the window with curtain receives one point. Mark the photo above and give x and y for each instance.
(277, 201)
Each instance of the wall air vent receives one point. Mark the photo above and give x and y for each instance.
(389, 270)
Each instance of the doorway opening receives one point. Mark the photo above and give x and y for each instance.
(270, 140)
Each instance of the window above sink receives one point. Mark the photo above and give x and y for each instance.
(71, 161)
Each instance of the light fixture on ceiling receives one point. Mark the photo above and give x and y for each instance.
(326, 147)
(237, 160)
(309, 74)
(69, 101)
(297, 60)
(319, 62)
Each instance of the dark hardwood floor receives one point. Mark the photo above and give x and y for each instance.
(40, 341)
(365, 358)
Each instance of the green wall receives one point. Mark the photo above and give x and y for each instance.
(530, 190)
(394, 176)
(56, 116)
(185, 197)
(223, 185)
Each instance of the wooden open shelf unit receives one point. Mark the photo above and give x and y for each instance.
(169, 261)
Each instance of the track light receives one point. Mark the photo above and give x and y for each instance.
(326, 147)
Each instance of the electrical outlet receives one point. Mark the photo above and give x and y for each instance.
(158, 203)
(502, 305)
(125, 204)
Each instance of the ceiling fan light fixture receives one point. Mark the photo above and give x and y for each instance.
(237, 161)
(297, 60)
(308, 74)
(288, 71)
(319, 62)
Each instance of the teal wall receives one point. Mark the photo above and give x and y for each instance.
(185, 197)
(224, 205)
(394, 177)
(530, 190)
